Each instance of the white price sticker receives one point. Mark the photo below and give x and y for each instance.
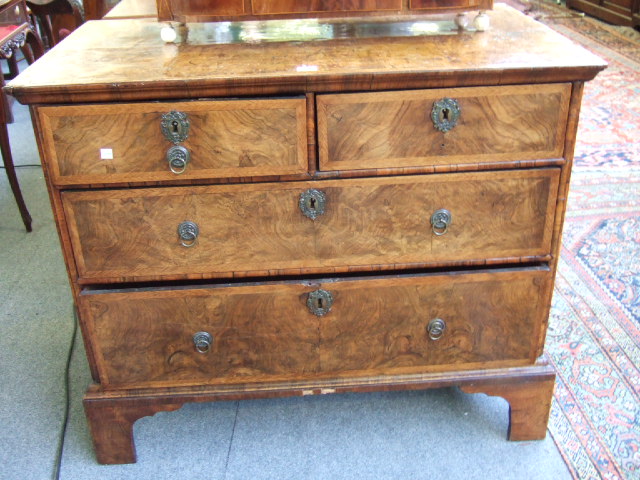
(106, 154)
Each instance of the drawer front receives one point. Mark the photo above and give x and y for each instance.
(468, 320)
(442, 5)
(206, 7)
(267, 7)
(396, 129)
(260, 229)
(141, 337)
(111, 144)
(268, 332)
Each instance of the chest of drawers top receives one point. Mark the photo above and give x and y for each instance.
(123, 60)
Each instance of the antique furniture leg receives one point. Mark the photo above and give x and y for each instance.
(529, 402)
(13, 68)
(20, 36)
(111, 424)
(36, 48)
(111, 414)
(95, 9)
(5, 147)
(11, 171)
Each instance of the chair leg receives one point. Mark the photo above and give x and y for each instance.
(13, 67)
(11, 174)
(36, 48)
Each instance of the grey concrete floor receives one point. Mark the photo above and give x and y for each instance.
(437, 434)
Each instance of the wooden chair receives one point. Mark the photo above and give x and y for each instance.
(56, 15)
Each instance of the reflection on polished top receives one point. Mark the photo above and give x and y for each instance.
(127, 60)
(311, 30)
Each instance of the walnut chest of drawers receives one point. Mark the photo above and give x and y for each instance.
(262, 219)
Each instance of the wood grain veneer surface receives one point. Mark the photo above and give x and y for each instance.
(395, 129)
(232, 138)
(145, 337)
(127, 235)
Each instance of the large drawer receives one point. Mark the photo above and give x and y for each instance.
(121, 143)
(267, 332)
(260, 229)
(396, 129)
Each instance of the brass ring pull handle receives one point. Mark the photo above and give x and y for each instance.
(312, 203)
(436, 328)
(188, 233)
(202, 341)
(178, 158)
(320, 302)
(445, 114)
(440, 221)
(175, 126)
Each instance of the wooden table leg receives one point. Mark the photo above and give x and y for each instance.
(529, 403)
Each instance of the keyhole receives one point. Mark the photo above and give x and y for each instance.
(320, 303)
(174, 124)
(445, 114)
(312, 203)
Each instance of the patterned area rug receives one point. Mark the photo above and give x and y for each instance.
(594, 336)
(594, 332)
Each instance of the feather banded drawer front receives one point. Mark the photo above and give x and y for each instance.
(358, 214)
(261, 229)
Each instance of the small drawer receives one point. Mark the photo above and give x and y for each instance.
(112, 144)
(456, 126)
(204, 7)
(262, 332)
(311, 227)
(442, 5)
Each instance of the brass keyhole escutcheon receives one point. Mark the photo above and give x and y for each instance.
(445, 114)
(320, 302)
(175, 126)
(312, 203)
